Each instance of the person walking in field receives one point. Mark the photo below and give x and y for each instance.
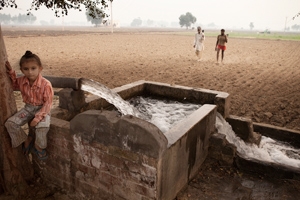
(199, 43)
(221, 44)
(37, 94)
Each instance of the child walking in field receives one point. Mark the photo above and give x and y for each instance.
(199, 43)
(221, 44)
(37, 94)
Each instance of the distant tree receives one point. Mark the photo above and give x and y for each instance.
(97, 20)
(44, 23)
(251, 25)
(5, 18)
(296, 27)
(187, 20)
(162, 23)
(211, 25)
(19, 19)
(136, 22)
(150, 22)
(61, 7)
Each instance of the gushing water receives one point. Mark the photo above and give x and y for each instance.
(113, 98)
(268, 150)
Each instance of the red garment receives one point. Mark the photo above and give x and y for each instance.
(39, 94)
(222, 47)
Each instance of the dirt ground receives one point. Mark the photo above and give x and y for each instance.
(261, 76)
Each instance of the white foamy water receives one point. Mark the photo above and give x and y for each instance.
(269, 150)
(113, 98)
(163, 113)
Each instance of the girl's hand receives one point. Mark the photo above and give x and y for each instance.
(33, 123)
(7, 65)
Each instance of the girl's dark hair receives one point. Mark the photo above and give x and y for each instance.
(29, 56)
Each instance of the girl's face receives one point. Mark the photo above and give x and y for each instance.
(31, 70)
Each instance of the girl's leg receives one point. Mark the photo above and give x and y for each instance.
(14, 127)
(41, 137)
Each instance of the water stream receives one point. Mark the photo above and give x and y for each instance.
(165, 113)
(111, 97)
(269, 150)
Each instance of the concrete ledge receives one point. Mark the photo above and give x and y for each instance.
(63, 82)
(243, 127)
(193, 95)
(179, 130)
(279, 133)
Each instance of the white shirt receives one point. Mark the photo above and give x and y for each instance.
(199, 39)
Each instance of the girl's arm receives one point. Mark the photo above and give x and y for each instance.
(13, 76)
(46, 108)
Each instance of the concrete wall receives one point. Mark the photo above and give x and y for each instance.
(100, 155)
(193, 95)
(187, 150)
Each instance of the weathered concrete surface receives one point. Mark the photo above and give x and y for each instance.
(278, 133)
(71, 100)
(221, 150)
(243, 127)
(125, 132)
(102, 155)
(188, 148)
(193, 95)
(63, 82)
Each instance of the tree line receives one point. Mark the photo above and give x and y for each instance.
(17, 19)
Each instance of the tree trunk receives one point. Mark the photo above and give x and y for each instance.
(14, 166)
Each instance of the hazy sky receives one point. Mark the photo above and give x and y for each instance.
(271, 14)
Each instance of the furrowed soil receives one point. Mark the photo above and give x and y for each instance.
(261, 76)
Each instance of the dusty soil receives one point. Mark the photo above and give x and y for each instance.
(262, 77)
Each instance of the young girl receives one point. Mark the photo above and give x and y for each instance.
(221, 40)
(37, 94)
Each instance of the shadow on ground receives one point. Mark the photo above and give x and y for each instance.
(227, 183)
